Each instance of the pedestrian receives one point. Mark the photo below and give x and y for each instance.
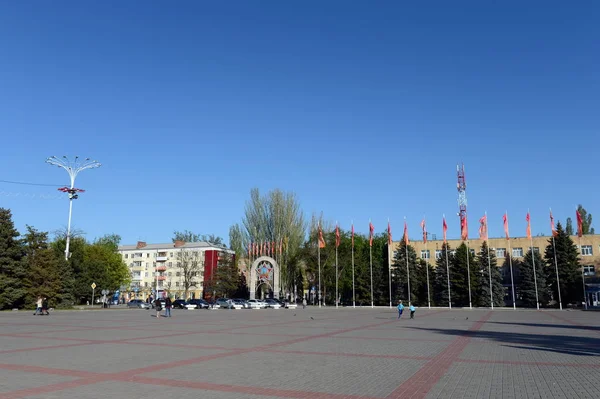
(45, 307)
(158, 307)
(38, 309)
(400, 309)
(412, 311)
(304, 303)
(168, 306)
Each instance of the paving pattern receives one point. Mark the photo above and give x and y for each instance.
(305, 353)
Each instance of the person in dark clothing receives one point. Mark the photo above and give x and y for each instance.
(45, 307)
(168, 306)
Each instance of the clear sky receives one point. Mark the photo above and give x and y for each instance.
(361, 108)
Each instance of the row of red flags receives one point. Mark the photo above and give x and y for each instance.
(483, 230)
(268, 248)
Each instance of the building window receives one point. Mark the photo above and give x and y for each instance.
(177, 274)
(438, 253)
(169, 274)
(424, 254)
(131, 264)
(517, 252)
(177, 284)
(178, 264)
(147, 264)
(137, 263)
(153, 264)
(146, 274)
(500, 252)
(146, 283)
(586, 250)
(170, 264)
(170, 254)
(589, 270)
(126, 256)
(536, 250)
(155, 254)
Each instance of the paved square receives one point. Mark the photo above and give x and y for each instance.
(303, 353)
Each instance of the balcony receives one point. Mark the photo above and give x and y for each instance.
(161, 258)
(161, 278)
(161, 268)
(137, 278)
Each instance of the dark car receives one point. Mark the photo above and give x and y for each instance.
(179, 304)
(197, 304)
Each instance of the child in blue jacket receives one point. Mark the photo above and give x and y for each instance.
(400, 309)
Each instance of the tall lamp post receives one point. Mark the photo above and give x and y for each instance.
(73, 167)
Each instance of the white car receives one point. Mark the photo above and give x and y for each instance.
(273, 304)
(255, 304)
(291, 305)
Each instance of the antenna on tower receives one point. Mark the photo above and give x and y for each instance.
(462, 193)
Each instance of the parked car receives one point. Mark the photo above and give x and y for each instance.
(273, 304)
(179, 304)
(238, 304)
(255, 304)
(197, 304)
(138, 303)
(291, 305)
(223, 303)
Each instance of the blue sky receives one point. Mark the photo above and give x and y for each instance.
(363, 109)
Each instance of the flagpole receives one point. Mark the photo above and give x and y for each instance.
(469, 274)
(353, 291)
(427, 270)
(371, 258)
(319, 261)
(512, 281)
(489, 262)
(390, 261)
(447, 263)
(555, 260)
(537, 301)
(407, 268)
(336, 266)
(583, 277)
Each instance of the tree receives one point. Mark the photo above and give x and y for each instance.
(45, 271)
(189, 236)
(525, 285)
(586, 220)
(12, 270)
(104, 265)
(459, 274)
(400, 274)
(190, 263)
(506, 281)
(227, 278)
(484, 266)
(441, 276)
(569, 227)
(569, 269)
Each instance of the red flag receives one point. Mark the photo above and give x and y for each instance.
(444, 229)
(464, 229)
(352, 235)
(528, 219)
(483, 233)
(337, 236)
(389, 233)
(405, 233)
(321, 239)
(424, 231)
(579, 224)
(371, 230)
(552, 224)
(505, 219)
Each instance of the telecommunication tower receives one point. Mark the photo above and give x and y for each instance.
(462, 194)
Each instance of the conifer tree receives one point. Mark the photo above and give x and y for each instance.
(400, 273)
(569, 269)
(483, 285)
(459, 274)
(525, 286)
(12, 270)
(441, 276)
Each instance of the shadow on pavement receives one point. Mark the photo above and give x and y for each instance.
(567, 326)
(564, 344)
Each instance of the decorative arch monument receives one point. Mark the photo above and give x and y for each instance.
(264, 270)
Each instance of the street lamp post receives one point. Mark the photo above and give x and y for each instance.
(73, 167)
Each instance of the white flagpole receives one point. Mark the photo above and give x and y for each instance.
(390, 262)
(469, 274)
(447, 271)
(371, 260)
(512, 281)
(537, 300)
(489, 261)
(556, 265)
(353, 291)
(319, 261)
(582, 276)
(426, 263)
(407, 268)
(336, 265)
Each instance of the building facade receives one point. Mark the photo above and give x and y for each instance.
(589, 252)
(162, 268)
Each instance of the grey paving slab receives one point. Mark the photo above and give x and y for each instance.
(17, 343)
(14, 380)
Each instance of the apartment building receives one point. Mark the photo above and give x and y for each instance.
(158, 267)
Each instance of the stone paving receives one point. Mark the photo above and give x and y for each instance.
(304, 353)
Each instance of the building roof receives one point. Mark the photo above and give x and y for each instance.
(171, 246)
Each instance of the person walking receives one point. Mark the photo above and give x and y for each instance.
(158, 307)
(304, 303)
(412, 311)
(168, 306)
(38, 309)
(400, 309)
(45, 307)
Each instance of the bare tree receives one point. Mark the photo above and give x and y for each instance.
(190, 263)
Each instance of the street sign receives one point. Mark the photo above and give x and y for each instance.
(93, 286)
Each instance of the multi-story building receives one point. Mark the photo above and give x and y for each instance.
(160, 267)
(589, 251)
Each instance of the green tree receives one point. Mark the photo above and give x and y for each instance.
(525, 285)
(73, 270)
(12, 270)
(45, 271)
(506, 281)
(227, 278)
(441, 276)
(189, 236)
(586, 220)
(569, 268)
(401, 274)
(569, 228)
(423, 295)
(459, 274)
(104, 266)
(484, 265)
